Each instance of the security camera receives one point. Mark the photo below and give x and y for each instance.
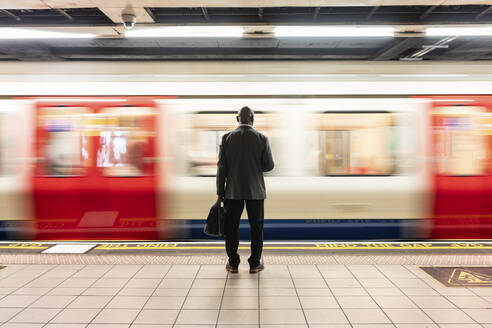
(129, 20)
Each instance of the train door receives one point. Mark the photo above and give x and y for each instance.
(461, 149)
(93, 178)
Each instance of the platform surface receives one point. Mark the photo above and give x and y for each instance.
(298, 288)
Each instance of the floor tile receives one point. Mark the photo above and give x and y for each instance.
(448, 316)
(116, 316)
(420, 291)
(7, 313)
(242, 283)
(67, 325)
(110, 283)
(278, 292)
(171, 292)
(241, 292)
(432, 302)
(384, 291)
(66, 291)
(136, 292)
(159, 302)
(376, 283)
(318, 302)
(342, 283)
(206, 292)
(325, 316)
(407, 316)
(209, 283)
(202, 303)
(175, 283)
(276, 283)
(32, 291)
(156, 317)
(349, 291)
(366, 316)
(460, 325)
(279, 302)
(142, 283)
(314, 292)
(480, 315)
(238, 317)
(310, 283)
(282, 317)
(394, 302)
(356, 302)
(89, 302)
(127, 302)
(52, 301)
(18, 300)
(75, 316)
(35, 315)
(470, 302)
(78, 282)
(95, 291)
(207, 317)
(239, 303)
(22, 325)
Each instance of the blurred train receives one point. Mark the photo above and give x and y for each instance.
(383, 160)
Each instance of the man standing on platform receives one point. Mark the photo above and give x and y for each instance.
(244, 155)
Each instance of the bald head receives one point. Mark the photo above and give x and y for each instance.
(245, 116)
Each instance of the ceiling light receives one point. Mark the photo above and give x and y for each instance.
(460, 31)
(187, 32)
(333, 31)
(21, 33)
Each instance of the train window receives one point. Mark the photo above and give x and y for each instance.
(207, 130)
(125, 140)
(355, 143)
(460, 140)
(65, 141)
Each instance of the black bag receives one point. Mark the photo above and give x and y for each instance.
(215, 225)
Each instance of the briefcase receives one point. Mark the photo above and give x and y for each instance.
(215, 226)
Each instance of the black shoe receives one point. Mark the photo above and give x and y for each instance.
(256, 269)
(231, 269)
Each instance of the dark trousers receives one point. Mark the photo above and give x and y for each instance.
(234, 209)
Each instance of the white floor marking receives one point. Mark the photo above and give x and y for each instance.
(70, 249)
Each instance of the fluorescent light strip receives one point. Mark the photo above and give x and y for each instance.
(187, 32)
(460, 31)
(21, 33)
(334, 31)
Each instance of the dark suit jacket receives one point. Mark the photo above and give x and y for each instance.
(244, 155)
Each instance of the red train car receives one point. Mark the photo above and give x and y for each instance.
(95, 177)
(462, 167)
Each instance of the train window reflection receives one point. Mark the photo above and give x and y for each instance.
(355, 143)
(206, 134)
(125, 141)
(65, 141)
(460, 139)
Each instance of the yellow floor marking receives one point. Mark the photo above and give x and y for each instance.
(288, 247)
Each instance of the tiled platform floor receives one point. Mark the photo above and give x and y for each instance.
(190, 296)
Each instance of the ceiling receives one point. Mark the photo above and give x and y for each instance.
(103, 17)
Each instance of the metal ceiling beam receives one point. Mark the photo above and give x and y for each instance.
(486, 11)
(9, 14)
(427, 12)
(260, 13)
(316, 12)
(397, 47)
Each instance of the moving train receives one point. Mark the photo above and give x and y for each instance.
(90, 154)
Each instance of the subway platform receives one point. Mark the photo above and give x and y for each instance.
(185, 285)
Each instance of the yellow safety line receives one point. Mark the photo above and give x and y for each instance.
(289, 247)
(25, 247)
